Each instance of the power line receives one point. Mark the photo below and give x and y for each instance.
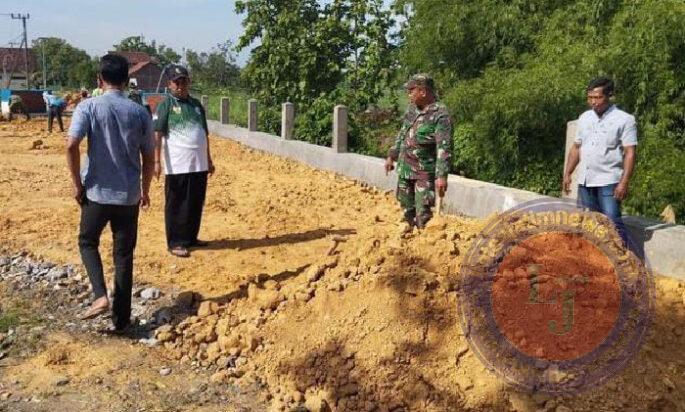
(23, 18)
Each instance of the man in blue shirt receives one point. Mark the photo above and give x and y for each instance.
(54, 106)
(604, 149)
(109, 188)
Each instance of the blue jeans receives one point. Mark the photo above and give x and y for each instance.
(601, 199)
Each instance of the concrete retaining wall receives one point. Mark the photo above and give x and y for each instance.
(664, 245)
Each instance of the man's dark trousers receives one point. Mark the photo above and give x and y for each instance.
(185, 198)
(55, 111)
(123, 221)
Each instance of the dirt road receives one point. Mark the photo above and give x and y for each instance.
(310, 286)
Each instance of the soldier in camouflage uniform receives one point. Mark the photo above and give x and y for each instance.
(17, 106)
(422, 150)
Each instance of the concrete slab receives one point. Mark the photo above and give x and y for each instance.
(663, 245)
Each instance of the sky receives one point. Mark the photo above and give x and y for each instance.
(95, 25)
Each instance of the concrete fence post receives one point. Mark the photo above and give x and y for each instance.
(252, 115)
(287, 120)
(204, 99)
(571, 128)
(339, 129)
(225, 110)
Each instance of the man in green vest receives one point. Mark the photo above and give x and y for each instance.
(181, 136)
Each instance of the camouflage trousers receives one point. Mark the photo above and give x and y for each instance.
(417, 197)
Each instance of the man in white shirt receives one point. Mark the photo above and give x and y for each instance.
(604, 148)
(181, 135)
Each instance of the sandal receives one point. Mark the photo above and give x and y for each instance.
(94, 312)
(180, 251)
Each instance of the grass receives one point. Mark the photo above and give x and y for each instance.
(9, 320)
(237, 108)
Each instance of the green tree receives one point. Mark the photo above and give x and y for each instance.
(163, 54)
(316, 56)
(66, 65)
(214, 69)
(514, 72)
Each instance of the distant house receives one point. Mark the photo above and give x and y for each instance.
(143, 69)
(12, 67)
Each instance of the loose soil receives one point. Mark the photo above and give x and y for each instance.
(310, 290)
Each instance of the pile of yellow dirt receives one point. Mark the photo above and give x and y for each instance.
(375, 327)
(311, 287)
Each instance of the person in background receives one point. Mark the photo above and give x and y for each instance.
(54, 106)
(17, 106)
(134, 94)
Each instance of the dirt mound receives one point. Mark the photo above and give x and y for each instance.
(311, 289)
(375, 327)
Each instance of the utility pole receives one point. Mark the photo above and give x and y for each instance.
(23, 18)
(45, 66)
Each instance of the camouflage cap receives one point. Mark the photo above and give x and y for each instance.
(420, 80)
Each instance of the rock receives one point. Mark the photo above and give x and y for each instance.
(667, 382)
(165, 371)
(225, 362)
(336, 286)
(296, 396)
(57, 273)
(61, 381)
(251, 342)
(562, 408)
(5, 396)
(207, 308)
(149, 342)
(185, 299)
(264, 298)
(314, 272)
(271, 285)
(303, 295)
(316, 402)
(240, 362)
(219, 377)
(37, 144)
(164, 336)
(150, 294)
(348, 390)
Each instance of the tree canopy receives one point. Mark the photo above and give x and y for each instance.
(66, 65)
(216, 68)
(315, 55)
(513, 72)
(164, 55)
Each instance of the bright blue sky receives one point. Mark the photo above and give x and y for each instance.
(95, 25)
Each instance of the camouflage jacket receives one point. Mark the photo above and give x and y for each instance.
(423, 145)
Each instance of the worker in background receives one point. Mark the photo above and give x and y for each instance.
(17, 106)
(54, 106)
(133, 92)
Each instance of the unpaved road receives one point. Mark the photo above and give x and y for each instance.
(368, 325)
